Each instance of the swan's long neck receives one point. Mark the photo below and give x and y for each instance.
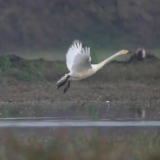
(98, 66)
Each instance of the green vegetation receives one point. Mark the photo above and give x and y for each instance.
(94, 58)
(93, 112)
(5, 64)
(15, 68)
(6, 113)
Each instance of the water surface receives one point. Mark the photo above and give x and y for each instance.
(8, 122)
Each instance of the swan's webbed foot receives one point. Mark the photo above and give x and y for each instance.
(66, 88)
(61, 84)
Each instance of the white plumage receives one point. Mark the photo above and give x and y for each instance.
(77, 58)
(78, 61)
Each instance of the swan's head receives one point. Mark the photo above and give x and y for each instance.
(124, 52)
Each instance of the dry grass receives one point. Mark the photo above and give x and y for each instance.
(138, 71)
(63, 146)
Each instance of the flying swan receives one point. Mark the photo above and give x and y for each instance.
(78, 61)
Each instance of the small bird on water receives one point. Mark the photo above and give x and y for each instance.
(78, 61)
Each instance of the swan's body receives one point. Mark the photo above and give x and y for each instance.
(78, 61)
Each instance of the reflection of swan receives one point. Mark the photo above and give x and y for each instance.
(78, 62)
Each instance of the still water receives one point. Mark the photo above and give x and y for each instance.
(50, 122)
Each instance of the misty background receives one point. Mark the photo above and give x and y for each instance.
(46, 28)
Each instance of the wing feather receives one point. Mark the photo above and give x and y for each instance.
(78, 58)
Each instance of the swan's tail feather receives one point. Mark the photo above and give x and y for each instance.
(62, 81)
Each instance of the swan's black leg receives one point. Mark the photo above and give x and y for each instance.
(62, 83)
(66, 88)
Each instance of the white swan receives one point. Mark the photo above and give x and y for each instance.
(78, 62)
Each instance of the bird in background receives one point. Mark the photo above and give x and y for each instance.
(78, 61)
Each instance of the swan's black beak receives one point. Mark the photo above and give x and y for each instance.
(127, 52)
(130, 52)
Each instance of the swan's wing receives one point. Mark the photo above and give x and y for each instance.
(77, 58)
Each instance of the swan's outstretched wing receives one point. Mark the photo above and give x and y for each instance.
(78, 58)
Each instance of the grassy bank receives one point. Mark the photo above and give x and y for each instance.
(15, 68)
(61, 146)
